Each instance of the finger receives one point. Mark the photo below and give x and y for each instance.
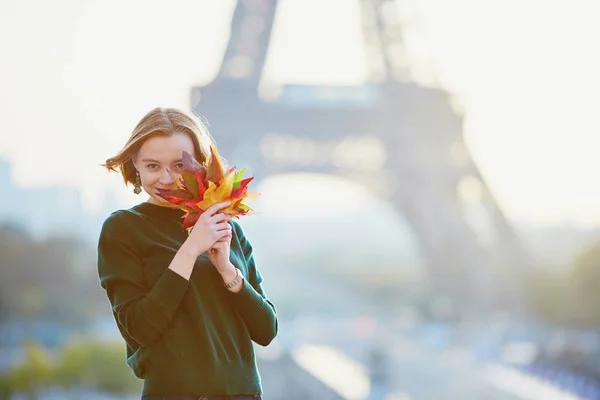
(210, 211)
(219, 217)
(224, 239)
(223, 226)
(225, 232)
(221, 234)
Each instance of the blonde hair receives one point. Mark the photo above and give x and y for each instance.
(161, 122)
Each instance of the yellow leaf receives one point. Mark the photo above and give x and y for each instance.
(216, 194)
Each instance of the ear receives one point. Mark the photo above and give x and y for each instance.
(134, 160)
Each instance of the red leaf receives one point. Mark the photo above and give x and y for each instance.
(191, 205)
(200, 184)
(175, 196)
(193, 174)
(243, 187)
(190, 219)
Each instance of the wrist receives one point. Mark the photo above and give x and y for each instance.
(235, 285)
(189, 250)
(228, 273)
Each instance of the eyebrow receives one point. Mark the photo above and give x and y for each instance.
(158, 162)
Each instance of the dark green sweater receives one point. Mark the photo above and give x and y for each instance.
(183, 337)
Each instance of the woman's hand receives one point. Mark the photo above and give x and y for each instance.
(210, 227)
(219, 255)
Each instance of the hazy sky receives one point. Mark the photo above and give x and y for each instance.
(76, 76)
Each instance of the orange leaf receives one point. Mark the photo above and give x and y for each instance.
(214, 166)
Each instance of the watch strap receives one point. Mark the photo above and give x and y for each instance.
(238, 278)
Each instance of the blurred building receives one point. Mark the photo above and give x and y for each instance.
(398, 134)
(50, 210)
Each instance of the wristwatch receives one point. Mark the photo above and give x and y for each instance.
(238, 278)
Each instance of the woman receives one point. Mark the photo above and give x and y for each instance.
(188, 315)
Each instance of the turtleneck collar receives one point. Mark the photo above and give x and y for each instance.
(158, 211)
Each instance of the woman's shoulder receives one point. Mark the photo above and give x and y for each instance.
(237, 227)
(235, 224)
(118, 220)
(240, 235)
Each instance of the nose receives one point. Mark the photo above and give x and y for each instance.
(166, 178)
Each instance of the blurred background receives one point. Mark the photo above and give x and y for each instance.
(429, 222)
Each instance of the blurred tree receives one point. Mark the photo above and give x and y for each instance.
(586, 282)
(551, 295)
(89, 365)
(34, 373)
(50, 279)
(569, 296)
(6, 389)
(96, 365)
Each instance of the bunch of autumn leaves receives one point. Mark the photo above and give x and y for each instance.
(202, 185)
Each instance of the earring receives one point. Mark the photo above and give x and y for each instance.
(137, 187)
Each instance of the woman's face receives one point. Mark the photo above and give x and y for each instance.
(159, 164)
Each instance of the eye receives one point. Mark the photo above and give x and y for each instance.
(152, 166)
(179, 165)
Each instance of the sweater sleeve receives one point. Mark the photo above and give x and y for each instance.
(144, 314)
(257, 311)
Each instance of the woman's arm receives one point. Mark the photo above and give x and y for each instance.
(144, 314)
(255, 308)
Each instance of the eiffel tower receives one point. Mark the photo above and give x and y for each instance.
(397, 137)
